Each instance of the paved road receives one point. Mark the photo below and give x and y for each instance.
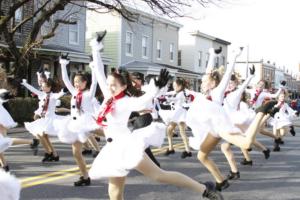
(277, 178)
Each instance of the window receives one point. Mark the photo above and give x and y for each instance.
(18, 19)
(158, 49)
(217, 61)
(74, 32)
(172, 52)
(179, 58)
(145, 47)
(207, 57)
(129, 43)
(199, 58)
(223, 61)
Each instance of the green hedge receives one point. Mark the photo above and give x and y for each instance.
(22, 109)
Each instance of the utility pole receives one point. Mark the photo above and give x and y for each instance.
(247, 61)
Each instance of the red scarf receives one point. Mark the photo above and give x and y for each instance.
(108, 107)
(209, 98)
(79, 100)
(252, 102)
(46, 104)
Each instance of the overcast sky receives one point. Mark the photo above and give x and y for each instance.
(271, 28)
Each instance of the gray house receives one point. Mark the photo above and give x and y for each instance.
(147, 45)
(68, 39)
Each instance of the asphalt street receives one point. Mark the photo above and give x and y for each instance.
(277, 178)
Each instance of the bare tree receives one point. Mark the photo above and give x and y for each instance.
(21, 54)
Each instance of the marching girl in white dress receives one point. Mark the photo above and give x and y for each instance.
(10, 186)
(7, 122)
(241, 116)
(257, 97)
(76, 128)
(43, 127)
(176, 116)
(282, 119)
(207, 114)
(125, 150)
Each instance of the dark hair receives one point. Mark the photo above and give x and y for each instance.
(180, 82)
(55, 87)
(138, 76)
(123, 77)
(244, 97)
(84, 76)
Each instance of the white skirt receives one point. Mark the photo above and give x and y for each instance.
(126, 150)
(205, 117)
(69, 130)
(44, 125)
(243, 116)
(5, 143)
(10, 187)
(176, 116)
(280, 120)
(5, 119)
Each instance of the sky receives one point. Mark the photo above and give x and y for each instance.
(270, 28)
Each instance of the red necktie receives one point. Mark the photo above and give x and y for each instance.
(209, 98)
(108, 107)
(79, 100)
(46, 104)
(255, 97)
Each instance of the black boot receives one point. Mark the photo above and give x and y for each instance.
(54, 158)
(246, 162)
(266, 153)
(47, 157)
(95, 154)
(211, 193)
(292, 131)
(35, 146)
(83, 182)
(151, 156)
(222, 186)
(186, 154)
(87, 152)
(276, 147)
(168, 152)
(279, 141)
(233, 175)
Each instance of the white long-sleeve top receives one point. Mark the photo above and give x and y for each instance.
(42, 98)
(118, 118)
(87, 95)
(264, 94)
(233, 99)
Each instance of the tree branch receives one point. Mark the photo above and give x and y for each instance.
(59, 5)
(11, 13)
(30, 17)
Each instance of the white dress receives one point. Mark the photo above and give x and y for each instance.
(10, 186)
(239, 112)
(78, 125)
(177, 113)
(45, 124)
(283, 117)
(205, 116)
(5, 119)
(124, 149)
(5, 143)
